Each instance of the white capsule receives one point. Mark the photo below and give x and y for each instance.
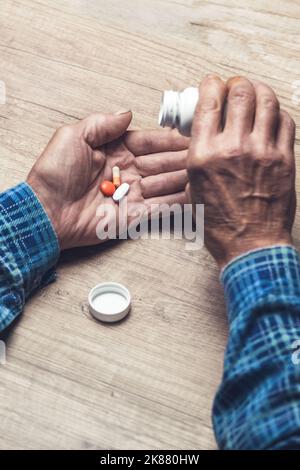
(121, 192)
(116, 176)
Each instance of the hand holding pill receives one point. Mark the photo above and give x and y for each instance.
(80, 158)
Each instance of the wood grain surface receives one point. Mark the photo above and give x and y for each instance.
(148, 382)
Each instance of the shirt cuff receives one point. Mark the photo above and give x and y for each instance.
(272, 272)
(29, 243)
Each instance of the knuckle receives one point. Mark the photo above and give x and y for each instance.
(281, 158)
(241, 94)
(290, 167)
(233, 149)
(269, 102)
(267, 157)
(197, 163)
(208, 104)
(286, 160)
(265, 161)
(66, 131)
(261, 148)
(98, 119)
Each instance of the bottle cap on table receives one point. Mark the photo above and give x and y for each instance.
(109, 302)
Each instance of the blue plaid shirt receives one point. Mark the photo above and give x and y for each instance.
(29, 250)
(258, 403)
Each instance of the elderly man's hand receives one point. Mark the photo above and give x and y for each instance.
(67, 176)
(242, 167)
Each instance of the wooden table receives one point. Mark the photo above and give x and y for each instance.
(148, 382)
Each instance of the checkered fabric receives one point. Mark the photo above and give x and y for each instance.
(258, 403)
(29, 250)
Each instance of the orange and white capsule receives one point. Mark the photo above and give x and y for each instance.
(116, 176)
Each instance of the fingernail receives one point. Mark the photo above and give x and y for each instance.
(122, 111)
(233, 80)
(212, 75)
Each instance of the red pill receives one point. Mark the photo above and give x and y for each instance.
(107, 188)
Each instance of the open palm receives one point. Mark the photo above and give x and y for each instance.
(79, 157)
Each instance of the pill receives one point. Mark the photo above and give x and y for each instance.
(107, 188)
(116, 176)
(121, 192)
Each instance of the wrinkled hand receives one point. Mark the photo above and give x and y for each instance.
(79, 157)
(243, 170)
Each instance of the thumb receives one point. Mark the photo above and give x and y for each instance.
(99, 128)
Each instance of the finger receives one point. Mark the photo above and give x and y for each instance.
(165, 183)
(188, 193)
(267, 112)
(99, 129)
(286, 134)
(155, 141)
(177, 198)
(240, 107)
(161, 162)
(208, 114)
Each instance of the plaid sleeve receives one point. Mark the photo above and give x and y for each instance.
(29, 250)
(258, 403)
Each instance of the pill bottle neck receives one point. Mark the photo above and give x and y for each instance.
(177, 109)
(169, 109)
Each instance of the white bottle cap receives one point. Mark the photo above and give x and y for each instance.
(109, 302)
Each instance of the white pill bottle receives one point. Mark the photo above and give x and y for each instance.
(177, 109)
